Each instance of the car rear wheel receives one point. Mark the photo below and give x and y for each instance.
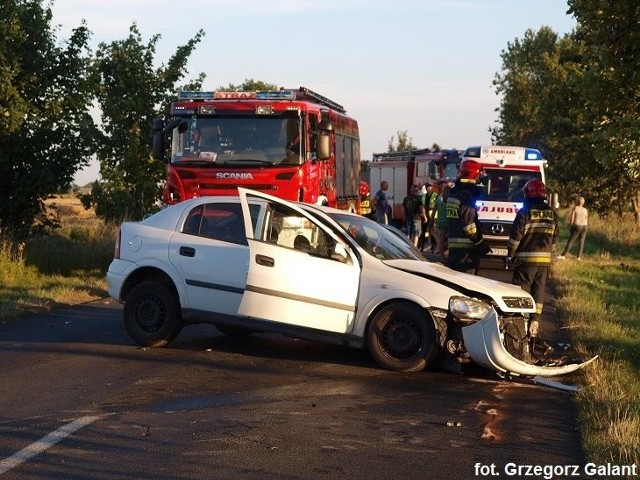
(152, 315)
(402, 337)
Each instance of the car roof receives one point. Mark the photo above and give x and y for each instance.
(236, 199)
(324, 209)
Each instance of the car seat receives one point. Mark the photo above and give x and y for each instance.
(302, 243)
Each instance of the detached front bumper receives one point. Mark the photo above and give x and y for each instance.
(484, 343)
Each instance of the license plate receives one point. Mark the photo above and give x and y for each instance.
(499, 252)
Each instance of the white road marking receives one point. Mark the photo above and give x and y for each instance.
(45, 443)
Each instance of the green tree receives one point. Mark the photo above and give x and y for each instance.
(576, 98)
(404, 142)
(533, 84)
(45, 125)
(249, 85)
(611, 94)
(542, 107)
(131, 94)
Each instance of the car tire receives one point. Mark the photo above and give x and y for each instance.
(152, 315)
(402, 337)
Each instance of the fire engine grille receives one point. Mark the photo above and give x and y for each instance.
(253, 186)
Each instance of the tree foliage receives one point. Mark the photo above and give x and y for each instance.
(404, 142)
(131, 94)
(540, 105)
(45, 125)
(611, 93)
(249, 85)
(577, 98)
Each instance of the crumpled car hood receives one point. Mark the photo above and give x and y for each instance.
(470, 285)
(483, 342)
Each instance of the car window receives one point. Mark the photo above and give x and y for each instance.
(288, 228)
(192, 223)
(219, 221)
(376, 239)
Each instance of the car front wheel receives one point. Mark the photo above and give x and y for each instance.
(402, 337)
(152, 315)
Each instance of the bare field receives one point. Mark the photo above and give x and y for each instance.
(69, 207)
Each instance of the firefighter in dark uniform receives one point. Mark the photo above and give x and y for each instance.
(466, 244)
(533, 236)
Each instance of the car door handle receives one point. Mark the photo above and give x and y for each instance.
(187, 251)
(264, 260)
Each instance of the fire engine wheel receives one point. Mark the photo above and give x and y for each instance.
(152, 315)
(402, 337)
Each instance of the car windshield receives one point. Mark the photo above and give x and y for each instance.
(380, 241)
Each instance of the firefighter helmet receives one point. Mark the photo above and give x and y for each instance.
(469, 171)
(534, 188)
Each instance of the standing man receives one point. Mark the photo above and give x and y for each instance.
(533, 237)
(428, 197)
(441, 221)
(578, 230)
(414, 214)
(432, 215)
(381, 204)
(466, 244)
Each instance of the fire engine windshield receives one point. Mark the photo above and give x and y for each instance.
(504, 185)
(239, 140)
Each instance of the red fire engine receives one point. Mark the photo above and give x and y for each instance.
(412, 167)
(292, 143)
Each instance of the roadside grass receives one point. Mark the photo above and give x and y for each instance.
(598, 301)
(66, 268)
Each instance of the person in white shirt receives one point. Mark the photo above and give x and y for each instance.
(578, 229)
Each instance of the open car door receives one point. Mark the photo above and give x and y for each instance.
(300, 272)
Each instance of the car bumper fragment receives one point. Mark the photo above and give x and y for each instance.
(483, 342)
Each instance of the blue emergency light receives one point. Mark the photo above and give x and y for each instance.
(275, 95)
(532, 154)
(193, 95)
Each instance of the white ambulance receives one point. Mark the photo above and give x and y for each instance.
(506, 170)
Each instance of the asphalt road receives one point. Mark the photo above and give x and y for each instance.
(78, 400)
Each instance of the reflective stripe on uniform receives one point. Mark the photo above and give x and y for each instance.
(463, 243)
(538, 258)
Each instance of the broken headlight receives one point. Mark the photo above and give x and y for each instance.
(468, 310)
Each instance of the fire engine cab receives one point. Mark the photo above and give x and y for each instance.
(506, 170)
(291, 143)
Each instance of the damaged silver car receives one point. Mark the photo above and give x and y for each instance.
(257, 263)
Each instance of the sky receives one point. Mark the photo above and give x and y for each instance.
(421, 66)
